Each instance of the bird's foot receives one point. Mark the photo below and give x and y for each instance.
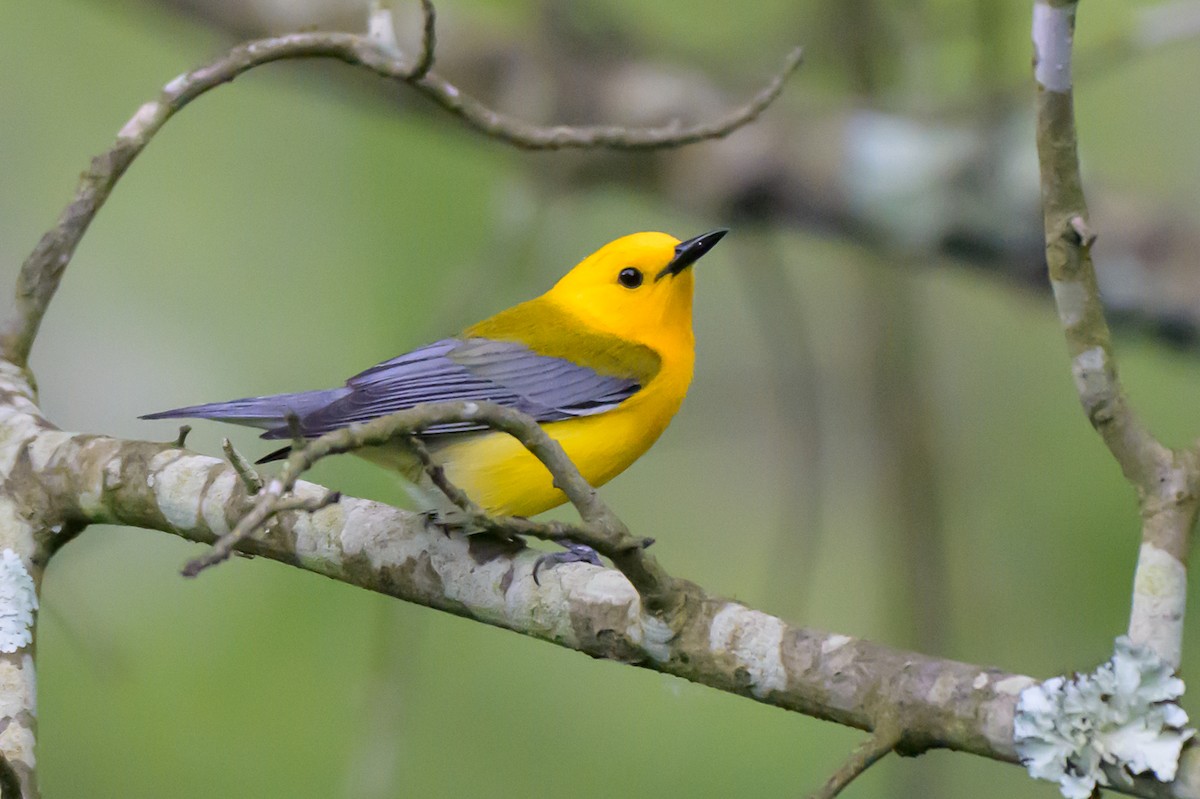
(574, 553)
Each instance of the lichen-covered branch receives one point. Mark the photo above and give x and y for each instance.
(42, 271)
(1167, 482)
(707, 639)
(601, 529)
(1099, 729)
(27, 532)
(79, 479)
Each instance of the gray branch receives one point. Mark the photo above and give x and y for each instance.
(1167, 481)
(42, 271)
(78, 479)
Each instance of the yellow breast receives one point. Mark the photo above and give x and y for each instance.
(502, 476)
(643, 336)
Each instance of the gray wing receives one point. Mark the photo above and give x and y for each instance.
(507, 373)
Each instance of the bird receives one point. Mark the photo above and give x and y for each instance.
(602, 361)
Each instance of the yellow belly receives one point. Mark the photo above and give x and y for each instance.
(498, 473)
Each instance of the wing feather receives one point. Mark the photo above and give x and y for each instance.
(505, 372)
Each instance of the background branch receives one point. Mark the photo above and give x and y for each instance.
(42, 271)
(1167, 481)
(192, 487)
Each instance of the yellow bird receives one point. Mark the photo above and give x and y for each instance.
(602, 361)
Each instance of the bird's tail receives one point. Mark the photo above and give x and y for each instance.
(261, 412)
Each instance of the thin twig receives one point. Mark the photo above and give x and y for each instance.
(1167, 482)
(181, 438)
(292, 419)
(428, 42)
(865, 755)
(504, 526)
(43, 269)
(262, 512)
(308, 504)
(601, 529)
(248, 474)
(438, 475)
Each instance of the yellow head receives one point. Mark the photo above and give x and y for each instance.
(638, 287)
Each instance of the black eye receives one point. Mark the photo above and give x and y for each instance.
(630, 278)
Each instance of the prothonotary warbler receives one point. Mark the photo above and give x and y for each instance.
(602, 361)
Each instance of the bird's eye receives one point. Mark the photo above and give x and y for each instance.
(630, 278)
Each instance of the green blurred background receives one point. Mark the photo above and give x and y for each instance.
(878, 441)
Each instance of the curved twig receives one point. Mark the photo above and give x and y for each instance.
(865, 755)
(424, 61)
(42, 271)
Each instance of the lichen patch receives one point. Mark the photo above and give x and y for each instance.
(17, 687)
(1159, 597)
(1071, 298)
(753, 639)
(1053, 30)
(1122, 716)
(363, 530)
(215, 500)
(1014, 685)
(17, 742)
(18, 602)
(833, 643)
(656, 637)
(178, 486)
(16, 532)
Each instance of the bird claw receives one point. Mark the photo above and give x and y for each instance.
(574, 553)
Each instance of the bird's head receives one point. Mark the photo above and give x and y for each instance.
(638, 287)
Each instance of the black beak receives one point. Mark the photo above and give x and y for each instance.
(690, 251)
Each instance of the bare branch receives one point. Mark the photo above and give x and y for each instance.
(601, 529)
(710, 640)
(43, 269)
(1168, 482)
(595, 610)
(614, 137)
(865, 755)
(707, 639)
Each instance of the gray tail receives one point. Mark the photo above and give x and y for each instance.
(261, 412)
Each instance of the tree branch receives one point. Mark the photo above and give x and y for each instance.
(42, 271)
(1167, 481)
(57, 482)
(29, 537)
(865, 755)
(708, 639)
(601, 529)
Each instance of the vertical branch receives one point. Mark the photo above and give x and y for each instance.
(26, 539)
(1166, 480)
